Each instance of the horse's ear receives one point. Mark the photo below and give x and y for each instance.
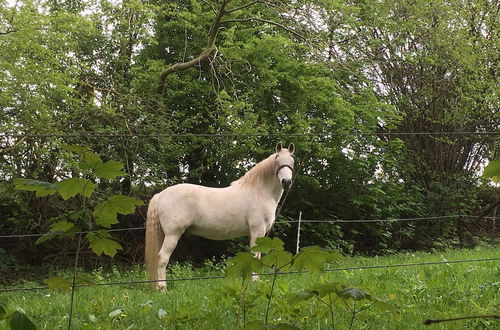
(291, 148)
(279, 146)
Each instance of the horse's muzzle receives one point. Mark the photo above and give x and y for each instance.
(286, 183)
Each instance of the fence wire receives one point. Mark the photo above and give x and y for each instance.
(216, 135)
(389, 220)
(78, 232)
(430, 263)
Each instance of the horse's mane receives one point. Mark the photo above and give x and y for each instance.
(259, 173)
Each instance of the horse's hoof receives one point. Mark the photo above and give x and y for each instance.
(161, 288)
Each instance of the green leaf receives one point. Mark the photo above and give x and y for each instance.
(320, 290)
(109, 170)
(71, 187)
(301, 296)
(57, 230)
(117, 204)
(85, 153)
(98, 234)
(91, 158)
(100, 245)
(84, 217)
(19, 321)
(57, 282)
(85, 279)
(106, 219)
(243, 265)
(493, 171)
(106, 212)
(278, 259)
(47, 237)
(267, 244)
(324, 289)
(42, 188)
(76, 149)
(314, 259)
(354, 293)
(62, 226)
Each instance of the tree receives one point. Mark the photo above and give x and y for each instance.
(435, 62)
(341, 75)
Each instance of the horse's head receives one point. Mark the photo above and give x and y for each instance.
(284, 164)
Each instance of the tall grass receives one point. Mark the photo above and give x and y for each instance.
(417, 293)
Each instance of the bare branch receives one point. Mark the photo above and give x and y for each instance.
(212, 36)
(244, 6)
(185, 65)
(211, 6)
(488, 210)
(248, 19)
(4, 33)
(214, 29)
(10, 148)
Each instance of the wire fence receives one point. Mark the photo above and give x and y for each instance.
(444, 217)
(217, 135)
(389, 220)
(78, 232)
(76, 285)
(444, 262)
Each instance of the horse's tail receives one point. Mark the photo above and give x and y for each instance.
(154, 239)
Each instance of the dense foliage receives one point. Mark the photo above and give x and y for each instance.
(344, 75)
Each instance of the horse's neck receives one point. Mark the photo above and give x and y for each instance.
(262, 179)
(273, 190)
(269, 190)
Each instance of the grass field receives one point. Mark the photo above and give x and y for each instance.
(415, 293)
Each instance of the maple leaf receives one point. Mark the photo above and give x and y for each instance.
(314, 259)
(244, 264)
(57, 282)
(109, 170)
(267, 244)
(106, 212)
(71, 187)
(41, 188)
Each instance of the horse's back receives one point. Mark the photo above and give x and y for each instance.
(214, 213)
(180, 200)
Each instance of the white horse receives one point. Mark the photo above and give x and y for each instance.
(246, 208)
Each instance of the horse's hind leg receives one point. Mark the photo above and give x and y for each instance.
(168, 246)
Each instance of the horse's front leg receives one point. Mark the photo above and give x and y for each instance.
(256, 232)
